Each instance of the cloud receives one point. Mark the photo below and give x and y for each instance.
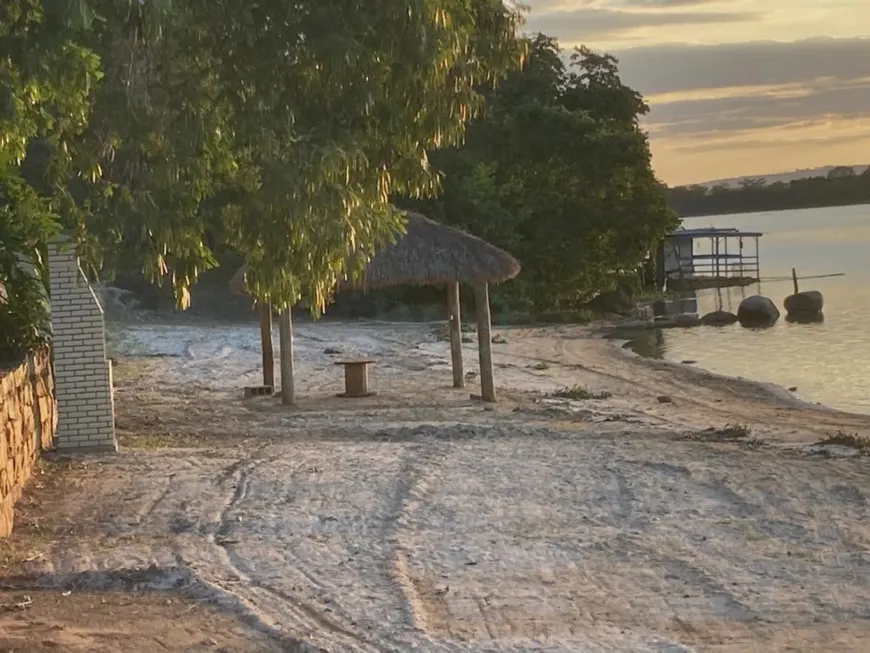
(725, 90)
(804, 135)
(665, 4)
(822, 98)
(540, 7)
(591, 24)
(750, 108)
(682, 67)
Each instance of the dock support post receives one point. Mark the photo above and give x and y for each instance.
(757, 260)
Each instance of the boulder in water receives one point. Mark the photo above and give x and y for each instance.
(719, 318)
(757, 311)
(805, 303)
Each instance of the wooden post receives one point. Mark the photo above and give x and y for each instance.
(794, 281)
(484, 342)
(757, 261)
(716, 259)
(266, 345)
(285, 332)
(455, 325)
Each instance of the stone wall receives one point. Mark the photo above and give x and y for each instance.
(28, 417)
(83, 374)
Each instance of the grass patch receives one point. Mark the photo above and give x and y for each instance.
(851, 440)
(539, 366)
(442, 332)
(734, 431)
(728, 433)
(579, 393)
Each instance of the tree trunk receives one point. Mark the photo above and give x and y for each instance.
(285, 330)
(484, 341)
(455, 324)
(266, 344)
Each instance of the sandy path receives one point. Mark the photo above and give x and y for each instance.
(419, 520)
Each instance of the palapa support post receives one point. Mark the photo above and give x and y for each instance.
(484, 340)
(266, 344)
(285, 332)
(794, 280)
(455, 325)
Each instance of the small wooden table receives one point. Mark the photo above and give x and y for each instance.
(356, 378)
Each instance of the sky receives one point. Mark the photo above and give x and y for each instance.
(736, 87)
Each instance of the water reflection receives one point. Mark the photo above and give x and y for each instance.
(827, 358)
(649, 343)
(816, 318)
(685, 302)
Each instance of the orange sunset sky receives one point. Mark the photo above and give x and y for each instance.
(736, 87)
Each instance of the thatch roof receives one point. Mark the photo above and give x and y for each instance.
(428, 254)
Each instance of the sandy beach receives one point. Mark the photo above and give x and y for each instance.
(678, 511)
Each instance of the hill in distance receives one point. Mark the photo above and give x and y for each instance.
(784, 177)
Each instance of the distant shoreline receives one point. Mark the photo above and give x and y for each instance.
(775, 210)
(842, 186)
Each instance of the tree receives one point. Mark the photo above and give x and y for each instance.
(279, 129)
(558, 172)
(840, 172)
(45, 80)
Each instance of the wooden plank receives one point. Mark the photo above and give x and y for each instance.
(484, 342)
(266, 345)
(455, 325)
(285, 333)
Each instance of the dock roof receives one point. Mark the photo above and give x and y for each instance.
(713, 232)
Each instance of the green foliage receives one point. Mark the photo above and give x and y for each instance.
(558, 173)
(279, 129)
(159, 133)
(580, 393)
(840, 187)
(45, 84)
(24, 225)
(843, 439)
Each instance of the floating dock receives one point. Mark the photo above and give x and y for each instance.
(691, 259)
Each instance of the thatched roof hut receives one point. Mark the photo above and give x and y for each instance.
(429, 254)
(432, 254)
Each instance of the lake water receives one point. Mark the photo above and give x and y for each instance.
(829, 362)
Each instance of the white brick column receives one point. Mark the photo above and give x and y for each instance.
(82, 374)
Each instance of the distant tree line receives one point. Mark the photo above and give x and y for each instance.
(842, 186)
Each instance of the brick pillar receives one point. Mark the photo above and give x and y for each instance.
(82, 374)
